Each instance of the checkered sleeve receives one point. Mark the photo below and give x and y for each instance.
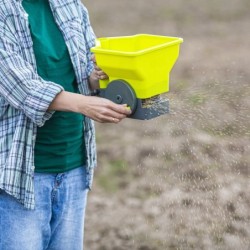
(89, 38)
(21, 86)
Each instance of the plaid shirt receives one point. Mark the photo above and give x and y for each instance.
(25, 97)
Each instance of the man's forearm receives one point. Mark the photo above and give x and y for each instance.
(66, 101)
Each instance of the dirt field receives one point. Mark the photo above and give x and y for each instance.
(181, 181)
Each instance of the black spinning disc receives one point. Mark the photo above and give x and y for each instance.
(120, 92)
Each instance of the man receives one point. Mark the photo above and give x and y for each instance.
(47, 138)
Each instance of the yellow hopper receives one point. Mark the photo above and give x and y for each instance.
(142, 62)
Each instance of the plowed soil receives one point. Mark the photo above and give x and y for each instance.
(180, 181)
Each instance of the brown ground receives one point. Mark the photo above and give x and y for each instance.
(181, 181)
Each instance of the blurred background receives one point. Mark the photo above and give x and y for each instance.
(180, 181)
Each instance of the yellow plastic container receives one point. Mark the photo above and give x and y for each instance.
(143, 60)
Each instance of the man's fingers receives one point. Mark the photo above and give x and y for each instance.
(93, 59)
(122, 109)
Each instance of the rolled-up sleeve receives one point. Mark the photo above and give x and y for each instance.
(21, 86)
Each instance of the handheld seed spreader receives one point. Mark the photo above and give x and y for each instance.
(138, 68)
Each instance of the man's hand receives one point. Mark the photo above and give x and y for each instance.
(103, 110)
(96, 75)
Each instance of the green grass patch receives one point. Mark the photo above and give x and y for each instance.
(197, 99)
(115, 176)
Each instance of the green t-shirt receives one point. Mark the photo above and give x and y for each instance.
(60, 142)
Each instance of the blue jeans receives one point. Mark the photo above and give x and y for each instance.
(57, 223)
